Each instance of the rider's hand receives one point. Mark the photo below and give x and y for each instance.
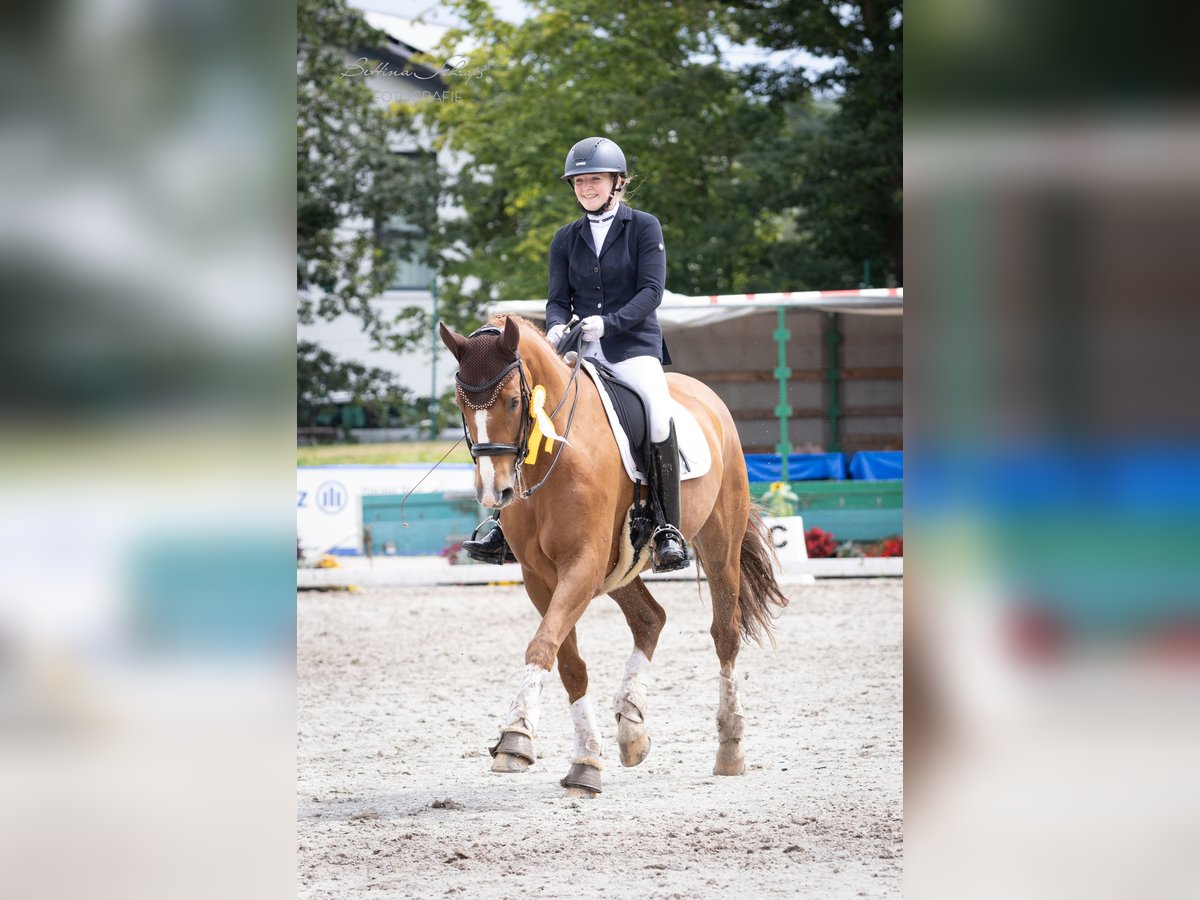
(593, 328)
(555, 334)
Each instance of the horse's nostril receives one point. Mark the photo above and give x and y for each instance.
(506, 495)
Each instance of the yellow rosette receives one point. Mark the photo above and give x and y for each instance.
(543, 427)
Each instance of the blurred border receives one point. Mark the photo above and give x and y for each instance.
(147, 460)
(1052, 630)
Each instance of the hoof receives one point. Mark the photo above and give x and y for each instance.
(512, 753)
(730, 760)
(634, 741)
(578, 793)
(506, 762)
(582, 777)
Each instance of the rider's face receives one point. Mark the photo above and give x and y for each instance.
(592, 190)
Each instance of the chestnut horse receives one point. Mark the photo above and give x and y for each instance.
(565, 518)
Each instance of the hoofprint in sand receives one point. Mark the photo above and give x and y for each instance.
(401, 691)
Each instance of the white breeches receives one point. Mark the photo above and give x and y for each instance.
(646, 374)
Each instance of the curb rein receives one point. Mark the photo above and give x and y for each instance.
(518, 449)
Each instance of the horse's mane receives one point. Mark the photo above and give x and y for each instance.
(533, 334)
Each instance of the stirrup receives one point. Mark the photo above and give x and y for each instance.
(668, 561)
(492, 549)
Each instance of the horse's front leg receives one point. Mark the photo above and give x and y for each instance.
(560, 609)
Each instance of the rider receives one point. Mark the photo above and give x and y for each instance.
(608, 267)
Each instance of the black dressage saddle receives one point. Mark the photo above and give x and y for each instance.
(627, 401)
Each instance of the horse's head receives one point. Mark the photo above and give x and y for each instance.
(492, 395)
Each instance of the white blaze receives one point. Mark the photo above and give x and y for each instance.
(487, 472)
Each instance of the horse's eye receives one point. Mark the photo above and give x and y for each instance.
(514, 403)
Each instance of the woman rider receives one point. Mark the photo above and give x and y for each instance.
(608, 267)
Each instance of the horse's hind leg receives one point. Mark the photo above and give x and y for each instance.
(646, 620)
(721, 559)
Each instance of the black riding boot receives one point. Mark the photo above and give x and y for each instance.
(493, 548)
(670, 550)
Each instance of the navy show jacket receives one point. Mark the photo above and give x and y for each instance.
(623, 285)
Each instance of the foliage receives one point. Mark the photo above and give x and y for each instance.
(846, 179)
(575, 68)
(350, 184)
(759, 187)
(320, 375)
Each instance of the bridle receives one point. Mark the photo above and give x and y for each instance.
(494, 385)
(494, 448)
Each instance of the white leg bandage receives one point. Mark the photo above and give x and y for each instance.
(588, 747)
(729, 712)
(525, 709)
(633, 696)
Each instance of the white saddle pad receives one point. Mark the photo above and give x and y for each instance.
(695, 456)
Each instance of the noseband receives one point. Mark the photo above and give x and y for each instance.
(495, 448)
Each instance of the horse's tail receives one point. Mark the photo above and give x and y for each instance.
(759, 596)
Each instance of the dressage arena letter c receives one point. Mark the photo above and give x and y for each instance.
(779, 544)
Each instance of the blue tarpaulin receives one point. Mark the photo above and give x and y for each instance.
(801, 466)
(877, 465)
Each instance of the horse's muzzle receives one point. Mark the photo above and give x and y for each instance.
(502, 500)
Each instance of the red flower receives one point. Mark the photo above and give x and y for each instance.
(893, 546)
(820, 544)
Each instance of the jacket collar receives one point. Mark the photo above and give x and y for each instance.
(624, 214)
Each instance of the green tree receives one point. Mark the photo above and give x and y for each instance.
(351, 185)
(320, 376)
(843, 196)
(631, 71)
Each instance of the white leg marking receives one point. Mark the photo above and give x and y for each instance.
(730, 721)
(587, 735)
(527, 706)
(487, 472)
(633, 696)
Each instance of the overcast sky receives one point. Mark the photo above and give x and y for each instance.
(516, 11)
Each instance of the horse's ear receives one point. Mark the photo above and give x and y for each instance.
(512, 334)
(454, 342)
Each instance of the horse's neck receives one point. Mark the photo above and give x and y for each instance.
(546, 370)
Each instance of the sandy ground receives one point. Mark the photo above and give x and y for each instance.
(402, 690)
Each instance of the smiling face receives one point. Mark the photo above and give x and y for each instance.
(592, 190)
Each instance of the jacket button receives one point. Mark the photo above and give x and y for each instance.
(595, 268)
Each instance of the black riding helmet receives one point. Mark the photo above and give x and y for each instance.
(594, 154)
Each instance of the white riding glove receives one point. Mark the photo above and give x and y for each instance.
(593, 328)
(555, 334)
